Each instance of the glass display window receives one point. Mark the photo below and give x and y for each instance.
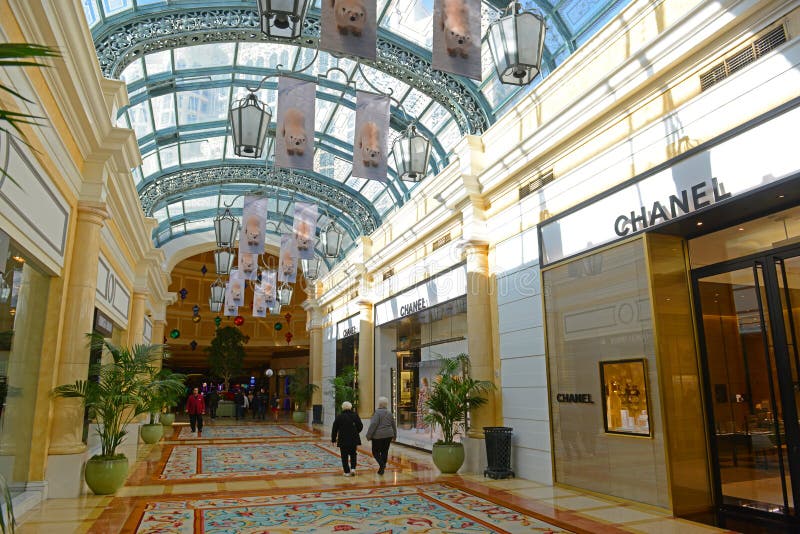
(625, 408)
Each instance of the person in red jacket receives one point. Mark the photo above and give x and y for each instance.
(196, 408)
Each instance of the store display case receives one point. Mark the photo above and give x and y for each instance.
(625, 404)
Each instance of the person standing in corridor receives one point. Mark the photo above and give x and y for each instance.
(196, 407)
(382, 430)
(345, 433)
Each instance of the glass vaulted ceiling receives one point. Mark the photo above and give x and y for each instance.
(180, 95)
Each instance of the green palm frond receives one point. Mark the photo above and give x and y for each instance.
(7, 521)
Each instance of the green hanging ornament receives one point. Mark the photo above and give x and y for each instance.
(278, 326)
(217, 320)
(175, 333)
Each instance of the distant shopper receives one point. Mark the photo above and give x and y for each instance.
(261, 405)
(345, 433)
(276, 406)
(196, 407)
(382, 430)
(212, 400)
(238, 401)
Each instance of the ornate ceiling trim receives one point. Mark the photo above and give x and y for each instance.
(356, 207)
(126, 39)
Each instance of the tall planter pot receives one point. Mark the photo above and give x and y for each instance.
(167, 419)
(152, 433)
(448, 457)
(105, 476)
(299, 417)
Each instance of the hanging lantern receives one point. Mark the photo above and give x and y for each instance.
(331, 238)
(225, 228)
(269, 372)
(215, 307)
(283, 18)
(516, 42)
(223, 260)
(217, 297)
(175, 333)
(285, 294)
(249, 125)
(238, 320)
(311, 268)
(275, 309)
(411, 154)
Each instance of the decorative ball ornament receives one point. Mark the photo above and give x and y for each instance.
(196, 319)
(175, 333)
(183, 293)
(204, 269)
(195, 309)
(289, 337)
(278, 326)
(238, 320)
(193, 344)
(217, 320)
(269, 373)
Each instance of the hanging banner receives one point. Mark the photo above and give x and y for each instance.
(372, 124)
(305, 229)
(254, 225)
(457, 37)
(294, 138)
(248, 265)
(230, 309)
(287, 264)
(236, 287)
(350, 27)
(259, 304)
(269, 286)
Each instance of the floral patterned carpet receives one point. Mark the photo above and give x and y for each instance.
(389, 509)
(245, 432)
(191, 462)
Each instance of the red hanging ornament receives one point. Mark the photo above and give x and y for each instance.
(289, 337)
(288, 317)
(239, 320)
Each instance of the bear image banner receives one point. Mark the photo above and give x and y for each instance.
(248, 265)
(254, 225)
(350, 27)
(259, 304)
(288, 260)
(236, 286)
(305, 229)
(294, 136)
(369, 145)
(230, 309)
(457, 37)
(269, 285)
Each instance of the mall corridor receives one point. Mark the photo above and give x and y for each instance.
(283, 478)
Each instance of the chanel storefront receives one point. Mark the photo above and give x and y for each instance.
(672, 309)
(412, 331)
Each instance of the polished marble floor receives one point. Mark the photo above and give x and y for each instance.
(314, 497)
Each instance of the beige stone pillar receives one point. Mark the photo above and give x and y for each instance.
(315, 338)
(67, 423)
(479, 332)
(136, 318)
(157, 337)
(366, 360)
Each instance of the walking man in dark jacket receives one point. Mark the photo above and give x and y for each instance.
(345, 433)
(196, 407)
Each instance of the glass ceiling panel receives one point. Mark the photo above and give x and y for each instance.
(343, 124)
(112, 7)
(91, 12)
(202, 149)
(139, 117)
(265, 55)
(169, 157)
(411, 19)
(203, 56)
(160, 215)
(163, 111)
(203, 105)
(158, 63)
(133, 72)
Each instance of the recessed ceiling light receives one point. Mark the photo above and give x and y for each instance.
(780, 196)
(19, 259)
(741, 229)
(699, 223)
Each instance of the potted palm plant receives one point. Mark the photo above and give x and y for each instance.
(115, 399)
(345, 387)
(453, 394)
(171, 397)
(301, 391)
(158, 391)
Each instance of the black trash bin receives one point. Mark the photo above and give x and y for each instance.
(498, 451)
(316, 411)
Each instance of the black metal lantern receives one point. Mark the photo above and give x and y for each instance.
(311, 268)
(217, 296)
(283, 18)
(225, 228)
(249, 125)
(516, 42)
(285, 294)
(411, 153)
(331, 238)
(223, 260)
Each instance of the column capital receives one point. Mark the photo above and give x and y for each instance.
(93, 212)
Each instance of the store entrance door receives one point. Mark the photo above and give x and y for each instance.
(749, 325)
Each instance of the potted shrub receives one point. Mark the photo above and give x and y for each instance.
(453, 393)
(301, 391)
(345, 388)
(115, 399)
(161, 391)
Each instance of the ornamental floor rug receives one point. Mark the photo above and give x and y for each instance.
(424, 508)
(244, 432)
(196, 462)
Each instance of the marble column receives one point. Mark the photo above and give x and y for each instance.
(67, 423)
(157, 337)
(136, 318)
(315, 362)
(366, 361)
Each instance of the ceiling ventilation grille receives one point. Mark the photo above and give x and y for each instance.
(758, 48)
(388, 274)
(442, 241)
(536, 184)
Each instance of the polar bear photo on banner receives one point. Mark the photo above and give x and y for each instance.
(252, 231)
(457, 37)
(350, 27)
(294, 136)
(369, 146)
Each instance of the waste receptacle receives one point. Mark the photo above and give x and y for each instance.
(498, 451)
(316, 411)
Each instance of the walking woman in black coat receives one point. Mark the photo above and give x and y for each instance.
(345, 433)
